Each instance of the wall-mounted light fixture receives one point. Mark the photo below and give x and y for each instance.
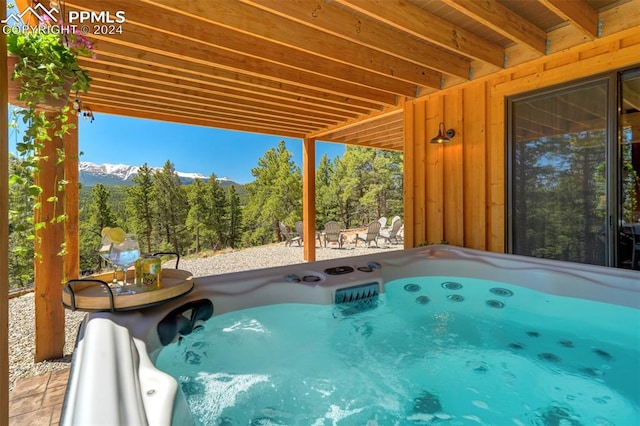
(444, 136)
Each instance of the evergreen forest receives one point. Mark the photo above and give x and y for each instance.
(169, 216)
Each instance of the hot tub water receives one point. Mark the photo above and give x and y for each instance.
(456, 351)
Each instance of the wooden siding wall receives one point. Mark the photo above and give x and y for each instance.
(456, 192)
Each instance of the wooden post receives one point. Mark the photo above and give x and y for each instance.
(49, 265)
(4, 228)
(71, 202)
(409, 175)
(309, 198)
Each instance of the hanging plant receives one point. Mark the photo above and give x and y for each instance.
(45, 72)
(45, 65)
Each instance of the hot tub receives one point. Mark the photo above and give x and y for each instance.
(113, 379)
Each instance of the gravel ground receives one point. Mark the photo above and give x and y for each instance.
(21, 309)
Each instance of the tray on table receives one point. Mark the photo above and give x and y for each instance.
(93, 293)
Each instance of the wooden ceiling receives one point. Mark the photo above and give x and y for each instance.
(337, 70)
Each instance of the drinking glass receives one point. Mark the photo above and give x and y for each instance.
(104, 250)
(125, 254)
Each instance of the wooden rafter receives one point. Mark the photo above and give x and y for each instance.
(367, 33)
(310, 67)
(577, 13)
(425, 26)
(135, 42)
(296, 39)
(202, 40)
(503, 21)
(176, 78)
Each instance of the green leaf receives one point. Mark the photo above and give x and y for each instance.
(34, 190)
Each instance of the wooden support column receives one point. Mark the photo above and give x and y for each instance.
(4, 228)
(72, 203)
(309, 198)
(409, 175)
(49, 265)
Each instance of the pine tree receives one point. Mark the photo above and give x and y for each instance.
(140, 204)
(326, 200)
(172, 208)
(367, 184)
(275, 195)
(199, 211)
(100, 215)
(216, 220)
(234, 218)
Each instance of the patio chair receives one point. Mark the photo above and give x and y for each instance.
(383, 222)
(300, 230)
(333, 233)
(392, 234)
(373, 232)
(289, 236)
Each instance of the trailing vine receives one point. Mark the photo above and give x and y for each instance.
(46, 70)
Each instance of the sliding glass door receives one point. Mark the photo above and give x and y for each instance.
(558, 173)
(629, 170)
(573, 171)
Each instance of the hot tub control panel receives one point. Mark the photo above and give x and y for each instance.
(338, 270)
(332, 271)
(293, 278)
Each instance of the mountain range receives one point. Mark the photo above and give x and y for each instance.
(121, 174)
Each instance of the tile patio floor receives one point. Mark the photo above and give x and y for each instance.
(37, 400)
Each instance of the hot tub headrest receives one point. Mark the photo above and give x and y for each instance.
(183, 320)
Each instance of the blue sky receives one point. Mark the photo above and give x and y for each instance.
(121, 140)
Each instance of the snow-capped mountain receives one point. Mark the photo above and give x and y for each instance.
(122, 174)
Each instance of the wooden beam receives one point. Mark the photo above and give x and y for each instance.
(204, 102)
(132, 78)
(28, 19)
(383, 121)
(338, 21)
(212, 117)
(48, 265)
(577, 13)
(309, 198)
(379, 138)
(242, 21)
(392, 145)
(374, 137)
(412, 19)
(162, 100)
(4, 228)
(409, 175)
(206, 78)
(157, 52)
(502, 20)
(374, 116)
(72, 201)
(204, 42)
